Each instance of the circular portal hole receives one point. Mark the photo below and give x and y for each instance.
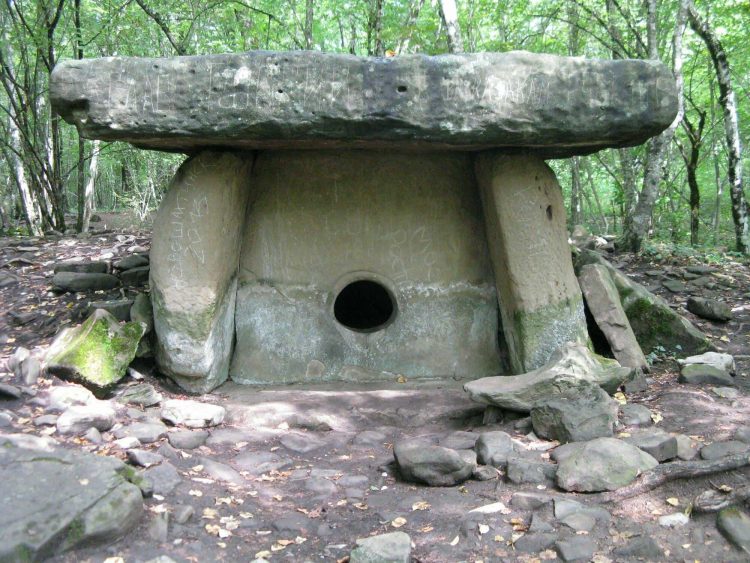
(364, 306)
(402, 89)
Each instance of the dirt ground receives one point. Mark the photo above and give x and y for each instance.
(330, 479)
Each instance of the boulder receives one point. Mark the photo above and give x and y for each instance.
(130, 262)
(659, 444)
(74, 499)
(433, 465)
(96, 353)
(709, 309)
(194, 261)
(580, 414)
(603, 301)
(734, 524)
(119, 308)
(75, 281)
(494, 448)
(718, 360)
(603, 464)
(653, 321)
(554, 105)
(394, 547)
(521, 471)
(77, 419)
(566, 369)
(192, 414)
(141, 394)
(698, 374)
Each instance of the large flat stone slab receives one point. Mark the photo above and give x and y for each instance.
(558, 106)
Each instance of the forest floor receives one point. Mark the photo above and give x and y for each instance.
(329, 478)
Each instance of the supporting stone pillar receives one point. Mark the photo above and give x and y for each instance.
(195, 256)
(540, 301)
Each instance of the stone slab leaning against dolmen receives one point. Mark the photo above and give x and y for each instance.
(422, 180)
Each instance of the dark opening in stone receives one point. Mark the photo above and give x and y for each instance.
(365, 306)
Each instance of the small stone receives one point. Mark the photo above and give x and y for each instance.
(29, 371)
(142, 311)
(187, 439)
(10, 392)
(529, 500)
(742, 434)
(257, 463)
(460, 440)
(119, 309)
(158, 527)
(535, 542)
(221, 471)
(709, 309)
(135, 276)
(484, 473)
(632, 414)
(164, 478)
(433, 465)
(674, 520)
(539, 524)
(46, 420)
(579, 521)
(494, 448)
(144, 458)
(62, 397)
(192, 414)
(78, 281)
(146, 432)
(521, 471)
(734, 524)
(674, 286)
(82, 267)
(722, 449)
(655, 442)
(182, 513)
(301, 443)
(697, 374)
(93, 436)
(386, 548)
(142, 394)
(687, 448)
(132, 261)
(127, 442)
(578, 548)
(718, 360)
(6, 419)
(642, 547)
(79, 418)
(370, 439)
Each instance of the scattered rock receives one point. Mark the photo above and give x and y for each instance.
(46, 420)
(698, 374)
(135, 276)
(641, 547)
(164, 478)
(577, 415)
(675, 520)
(565, 370)
(257, 463)
(143, 395)
(130, 262)
(521, 471)
(74, 499)
(221, 471)
(147, 432)
(96, 353)
(192, 414)
(182, 513)
(301, 443)
(119, 309)
(293, 522)
(718, 360)
(604, 304)
(580, 521)
(433, 465)
(77, 281)
(734, 524)
(530, 500)
(64, 396)
(79, 418)
(632, 414)
(386, 548)
(674, 286)
(726, 392)
(742, 434)
(484, 473)
(709, 309)
(93, 436)
(655, 442)
(603, 464)
(687, 448)
(535, 542)
(127, 443)
(187, 439)
(29, 371)
(142, 312)
(460, 440)
(10, 392)
(722, 449)
(370, 439)
(494, 448)
(144, 458)
(578, 548)
(82, 267)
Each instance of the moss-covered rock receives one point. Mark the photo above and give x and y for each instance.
(96, 353)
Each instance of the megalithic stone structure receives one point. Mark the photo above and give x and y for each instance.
(352, 218)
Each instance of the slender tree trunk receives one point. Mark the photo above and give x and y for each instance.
(576, 216)
(600, 209)
(89, 190)
(309, 10)
(80, 164)
(717, 169)
(731, 128)
(637, 227)
(449, 16)
(411, 20)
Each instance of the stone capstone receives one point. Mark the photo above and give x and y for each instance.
(433, 465)
(73, 499)
(603, 464)
(96, 353)
(566, 369)
(556, 106)
(582, 413)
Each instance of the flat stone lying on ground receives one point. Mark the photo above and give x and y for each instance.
(79, 418)
(141, 394)
(130, 262)
(632, 414)
(718, 360)
(72, 499)
(77, 281)
(494, 448)
(82, 267)
(709, 309)
(734, 524)
(524, 101)
(567, 367)
(436, 466)
(187, 439)
(718, 450)
(192, 414)
(701, 374)
(394, 547)
(661, 445)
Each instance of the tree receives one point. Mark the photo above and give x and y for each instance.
(449, 15)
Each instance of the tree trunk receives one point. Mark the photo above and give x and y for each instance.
(449, 15)
(411, 20)
(731, 127)
(309, 24)
(717, 169)
(88, 197)
(637, 226)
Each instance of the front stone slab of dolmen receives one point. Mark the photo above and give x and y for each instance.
(418, 228)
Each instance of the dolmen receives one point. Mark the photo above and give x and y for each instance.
(345, 218)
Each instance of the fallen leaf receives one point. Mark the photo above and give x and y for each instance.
(246, 515)
(401, 379)
(263, 554)
(210, 513)
(724, 338)
(398, 522)
(420, 505)
(278, 498)
(725, 488)
(299, 540)
(114, 560)
(425, 529)
(483, 528)
(656, 417)
(83, 482)
(361, 505)
(197, 468)
(499, 538)
(620, 398)
(673, 501)
(454, 541)
(195, 493)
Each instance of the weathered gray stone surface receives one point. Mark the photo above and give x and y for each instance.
(734, 524)
(556, 105)
(716, 359)
(79, 418)
(604, 464)
(709, 309)
(540, 301)
(192, 414)
(655, 442)
(494, 448)
(567, 368)
(632, 414)
(698, 374)
(653, 321)
(580, 414)
(80, 281)
(603, 301)
(194, 259)
(394, 547)
(71, 499)
(436, 466)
